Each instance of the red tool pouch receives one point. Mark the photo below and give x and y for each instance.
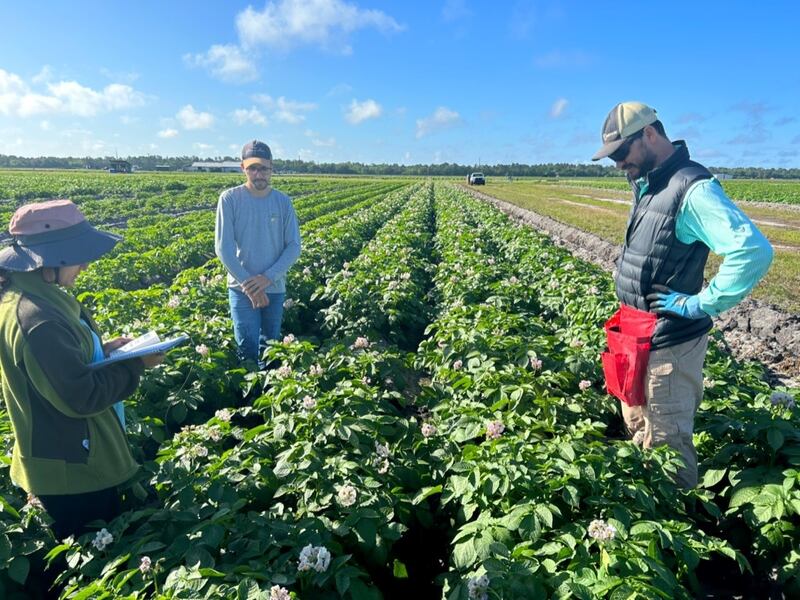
(628, 335)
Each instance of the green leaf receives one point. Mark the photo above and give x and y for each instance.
(179, 412)
(743, 496)
(399, 570)
(342, 581)
(645, 527)
(56, 551)
(150, 547)
(367, 530)
(774, 438)
(713, 476)
(567, 452)
(464, 554)
(18, 569)
(5, 506)
(360, 591)
(545, 514)
(427, 492)
(87, 592)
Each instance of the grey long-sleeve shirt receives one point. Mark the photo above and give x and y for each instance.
(256, 235)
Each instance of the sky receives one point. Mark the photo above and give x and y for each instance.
(410, 82)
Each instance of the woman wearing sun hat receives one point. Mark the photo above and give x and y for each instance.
(70, 447)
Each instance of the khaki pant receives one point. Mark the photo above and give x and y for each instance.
(674, 390)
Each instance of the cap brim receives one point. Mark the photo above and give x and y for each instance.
(607, 149)
(90, 245)
(251, 161)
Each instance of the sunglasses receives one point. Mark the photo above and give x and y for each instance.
(258, 169)
(622, 152)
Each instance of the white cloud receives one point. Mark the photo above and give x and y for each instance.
(44, 75)
(226, 62)
(30, 105)
(243, 116)
(168, 133)
(328, 23)
(11, 84)
(191, 119)
(442, 118)
(63, 97)
(287, 111)
(44, 125)
(361, 111)
(86, 102)
(558, 108)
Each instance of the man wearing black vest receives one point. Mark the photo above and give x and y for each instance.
(679, 213)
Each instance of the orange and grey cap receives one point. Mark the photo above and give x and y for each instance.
(625, 119)
(255, 152)
(53, 234)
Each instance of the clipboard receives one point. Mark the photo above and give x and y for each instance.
(154, 348)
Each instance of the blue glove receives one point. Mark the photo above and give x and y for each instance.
(665, 301)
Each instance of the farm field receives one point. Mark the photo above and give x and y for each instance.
(781, 191)
(433, 424)
(601, 207)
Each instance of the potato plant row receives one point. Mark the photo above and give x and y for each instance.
(106, 198)
(384, 291)
(134, 269)
(531, 467)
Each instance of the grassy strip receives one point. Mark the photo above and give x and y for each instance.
(608, 221)
(753, 190)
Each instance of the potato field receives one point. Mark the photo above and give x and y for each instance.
(433, 423)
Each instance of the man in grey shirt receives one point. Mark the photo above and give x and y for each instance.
(257, 238)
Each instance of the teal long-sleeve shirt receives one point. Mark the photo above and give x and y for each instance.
(708, 216)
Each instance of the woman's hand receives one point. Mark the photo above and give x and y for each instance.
(112, 345)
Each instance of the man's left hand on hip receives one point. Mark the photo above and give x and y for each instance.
(665, 301)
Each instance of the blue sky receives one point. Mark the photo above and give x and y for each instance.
(406, 82)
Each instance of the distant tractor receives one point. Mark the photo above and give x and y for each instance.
(477, 179)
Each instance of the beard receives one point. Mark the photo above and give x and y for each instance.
(645, 165)
(260, 184)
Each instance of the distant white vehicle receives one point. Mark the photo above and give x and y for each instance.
(477, 179)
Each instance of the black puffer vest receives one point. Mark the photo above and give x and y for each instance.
(653, 254)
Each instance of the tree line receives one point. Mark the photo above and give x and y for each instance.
(177, 163)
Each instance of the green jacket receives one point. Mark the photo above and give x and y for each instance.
(68, 439)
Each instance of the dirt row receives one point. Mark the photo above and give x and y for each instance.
(752, 330)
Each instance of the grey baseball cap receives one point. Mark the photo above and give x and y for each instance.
(625, 119)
